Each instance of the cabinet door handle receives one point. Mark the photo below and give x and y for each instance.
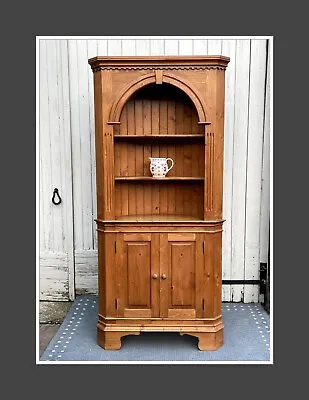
(163, 276)
(154, 276)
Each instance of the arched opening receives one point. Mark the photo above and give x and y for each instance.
(167, 79)
(159, 120)
(159, 110)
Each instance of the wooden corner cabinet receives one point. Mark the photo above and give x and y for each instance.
(159, 239)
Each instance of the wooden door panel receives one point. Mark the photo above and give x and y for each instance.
(183, 274)
(181, 264)
(138, 274)
(138, 291)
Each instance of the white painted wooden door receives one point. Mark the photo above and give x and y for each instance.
(68, 136)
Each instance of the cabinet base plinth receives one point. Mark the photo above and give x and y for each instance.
(209, 338)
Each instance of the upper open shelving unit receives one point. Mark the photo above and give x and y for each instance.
(159, 121)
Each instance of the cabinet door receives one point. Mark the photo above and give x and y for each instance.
(137, 260)
(181, 275)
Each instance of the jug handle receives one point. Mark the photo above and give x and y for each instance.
(171, 165)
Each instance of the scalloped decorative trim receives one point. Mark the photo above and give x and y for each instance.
(197, 67)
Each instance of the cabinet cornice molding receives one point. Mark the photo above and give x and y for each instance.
(158, 62)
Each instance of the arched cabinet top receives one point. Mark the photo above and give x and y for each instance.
(147, 79)
(161, 68)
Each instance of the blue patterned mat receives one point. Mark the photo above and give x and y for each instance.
(246, 338)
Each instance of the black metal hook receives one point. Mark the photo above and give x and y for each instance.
(53, 198)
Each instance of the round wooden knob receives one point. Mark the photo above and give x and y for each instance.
(155, 276)
(163, 276)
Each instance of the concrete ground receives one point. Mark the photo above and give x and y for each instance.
(52, 313)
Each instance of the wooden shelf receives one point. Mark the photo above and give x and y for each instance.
(150, 178)
(157, 217)
(193, 136)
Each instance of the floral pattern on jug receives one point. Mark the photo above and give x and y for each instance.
(159, 166)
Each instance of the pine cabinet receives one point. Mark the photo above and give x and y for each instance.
(159, 238)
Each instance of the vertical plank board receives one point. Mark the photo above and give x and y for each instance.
(124, 162)
(196, 170)
(171, 117)
(142, 47)
(163, 117)
(118, 207)
(54, 137)
(130, 106)
(139, 199)
(92, 51)
(83, 143)
(123, 144)
(75, 126)
(214, 46)
(117, 150)
(102, 47)
(155, 198)
(185, 47)
(171, 47)
(147, 154)
(163, 153)
(187, 159)
(265, 195)
(128, 47)
(155, 119)
(254, 166)
(131, 157)
(195, 200)
(200, 47)
(140, 164)
(157, 47)
(67, 176)
(124, 199)
(171, 124)
(229, 50)
(163, 198)
(46, 232)
(187, 147)
(179, 162)
(147, 113)
(114, 47)
(239, 165)
(187, 193)
(138, 106)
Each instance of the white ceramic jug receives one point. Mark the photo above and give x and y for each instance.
(159, 166)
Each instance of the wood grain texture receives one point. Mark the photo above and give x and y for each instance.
(153, 273)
